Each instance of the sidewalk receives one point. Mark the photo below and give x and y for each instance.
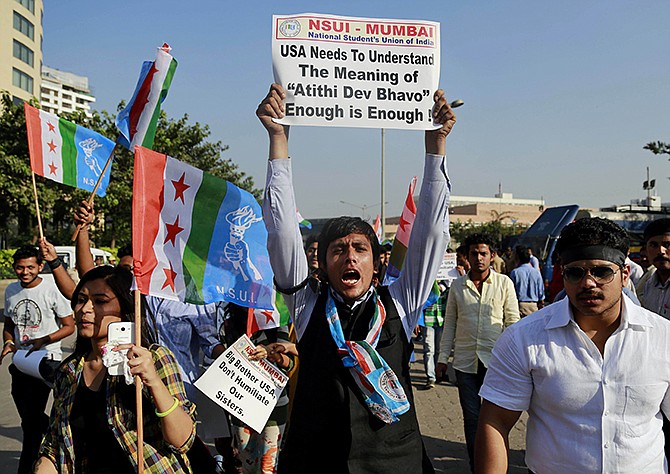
(441, 421)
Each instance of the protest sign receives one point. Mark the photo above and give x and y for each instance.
(247, 389)
(356, 72)
(448, 269)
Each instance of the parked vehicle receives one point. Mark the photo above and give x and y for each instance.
(541, 237)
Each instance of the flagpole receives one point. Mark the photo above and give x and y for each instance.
(97, 185)
(37, 206)
(138, 387)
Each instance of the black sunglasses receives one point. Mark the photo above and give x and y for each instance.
(600, 273)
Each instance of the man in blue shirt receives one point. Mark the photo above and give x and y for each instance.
(527, 283)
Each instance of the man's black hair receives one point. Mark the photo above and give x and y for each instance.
(310, 240)
(593, 231)
(478, 239)
(462, 250)
(339, 227)
(27, 251)
(126, 250)
(657, 227)
(522, 254)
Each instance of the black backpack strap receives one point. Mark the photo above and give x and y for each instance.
(293, 289)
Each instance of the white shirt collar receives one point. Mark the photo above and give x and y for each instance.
(629, 317)
(364, 297)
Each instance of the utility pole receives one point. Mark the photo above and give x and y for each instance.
(382, 213)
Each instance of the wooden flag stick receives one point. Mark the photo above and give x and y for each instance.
(37, 207)
(97, 185)
(138, 387)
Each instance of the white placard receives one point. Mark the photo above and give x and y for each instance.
(448, 269)
(247, 389)
(29, 363)
(356, 72)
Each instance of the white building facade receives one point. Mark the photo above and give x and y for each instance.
(63, 91)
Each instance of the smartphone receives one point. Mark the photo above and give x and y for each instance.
(121, 332)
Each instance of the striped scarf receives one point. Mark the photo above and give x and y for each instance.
(383, 394)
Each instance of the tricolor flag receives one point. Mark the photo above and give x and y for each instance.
(196, 237)
(66, 152)
(302, 222)
(261, 319)
(137, 122)
(378, 228)
(401, 241)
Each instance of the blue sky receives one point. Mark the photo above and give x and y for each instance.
(560, 97)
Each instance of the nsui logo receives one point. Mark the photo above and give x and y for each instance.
(289, 28)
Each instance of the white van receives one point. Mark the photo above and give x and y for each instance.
(67, 254)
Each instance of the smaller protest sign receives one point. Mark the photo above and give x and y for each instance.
(247, 389)
(448, 269)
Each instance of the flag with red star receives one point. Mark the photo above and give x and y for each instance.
(66, 152)
(137, 122)
(262, 319)
(197, 238)
(401, 241)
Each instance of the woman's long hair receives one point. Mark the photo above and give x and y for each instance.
(119, 281)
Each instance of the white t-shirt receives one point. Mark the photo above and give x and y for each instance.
(34, 312)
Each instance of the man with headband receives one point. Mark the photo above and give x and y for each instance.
(591, 370)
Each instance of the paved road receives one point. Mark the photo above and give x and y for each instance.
(438, 410)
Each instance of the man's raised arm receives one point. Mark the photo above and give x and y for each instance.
(430, 233)
(279, 209)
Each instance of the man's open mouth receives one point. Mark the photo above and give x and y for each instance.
(351, 277)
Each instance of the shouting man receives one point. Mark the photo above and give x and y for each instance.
(353, 410)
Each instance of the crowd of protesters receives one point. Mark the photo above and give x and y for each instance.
(584, 357)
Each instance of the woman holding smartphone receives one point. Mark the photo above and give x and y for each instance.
(93, 424)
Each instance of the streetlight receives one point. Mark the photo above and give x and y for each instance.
(363, 208)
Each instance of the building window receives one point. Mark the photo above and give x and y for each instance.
(29, 4)
(67, 97)
(24, 53)
(24, 25)
(22, 80)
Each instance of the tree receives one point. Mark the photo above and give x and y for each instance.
(18, 220)
(177, 138)
(498, 231)
(658, 148)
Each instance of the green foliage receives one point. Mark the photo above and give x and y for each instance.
(7, 264)
(495, 228)
(18, 222)
(658, 148)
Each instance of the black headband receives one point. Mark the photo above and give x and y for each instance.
(593, 252)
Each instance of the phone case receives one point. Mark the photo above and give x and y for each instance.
(120, 333)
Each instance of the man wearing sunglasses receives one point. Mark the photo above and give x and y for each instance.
(591, 370)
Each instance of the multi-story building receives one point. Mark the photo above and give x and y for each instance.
(64, 92)
(21, 48)
(503, 207)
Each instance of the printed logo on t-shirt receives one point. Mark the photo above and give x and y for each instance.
(28, 318)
